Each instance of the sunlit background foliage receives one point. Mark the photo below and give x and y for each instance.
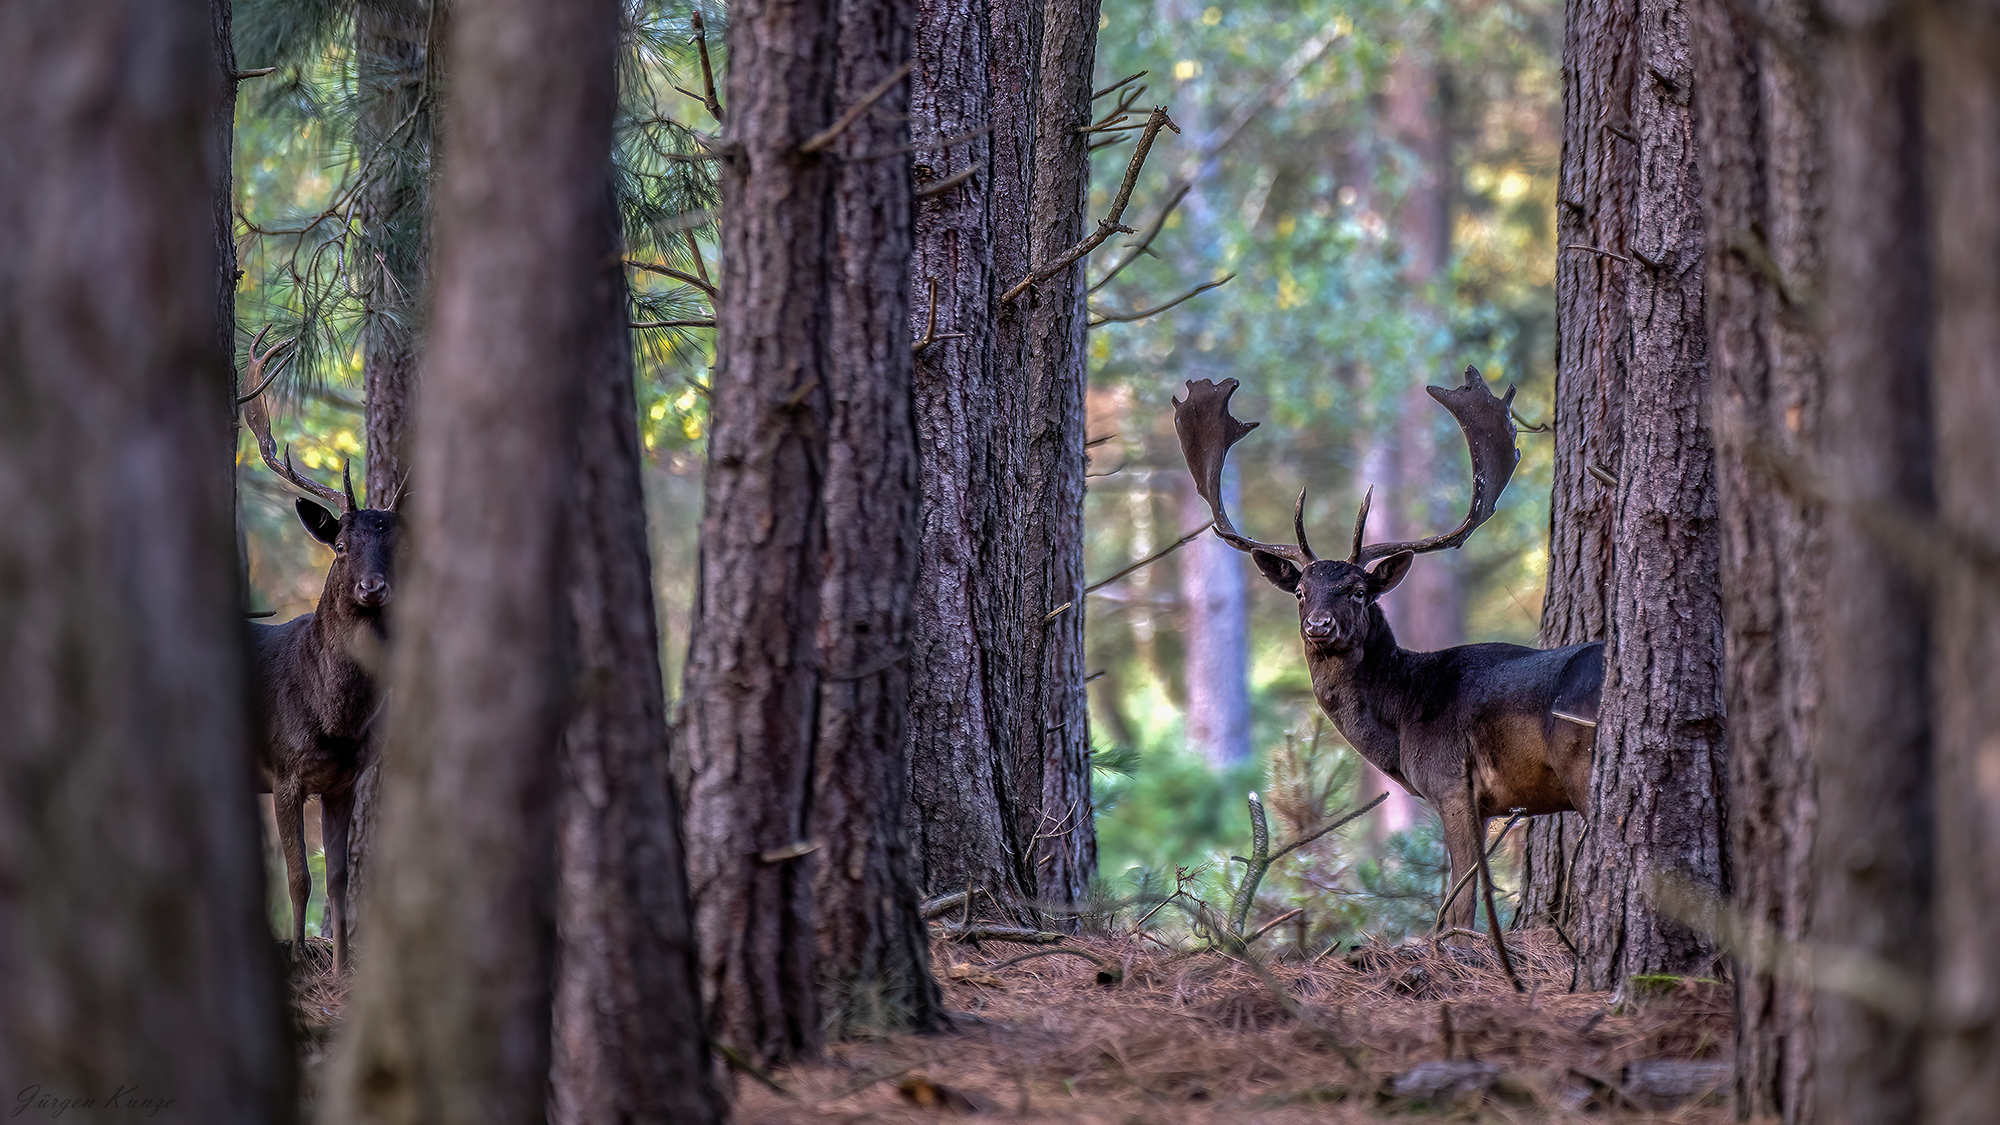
(1322, 322)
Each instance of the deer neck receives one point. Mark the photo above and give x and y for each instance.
(1365, 692)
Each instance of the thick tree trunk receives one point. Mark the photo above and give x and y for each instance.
(964, 798)
(1594, 201)
(396, 136)
(1658, 782)
(874, 950)
(744, 743)
(1962, 105)
(1760, 164)
(792, 735)
(133, 941)
(1001, 779)
(629, 1039)
(1871, 858)
(1052, 723)
(451, 1020)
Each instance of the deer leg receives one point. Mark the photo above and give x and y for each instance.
(336, 816)
(292, 840)
(1463, 834)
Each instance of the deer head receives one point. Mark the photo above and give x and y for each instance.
(361, 579)
(1336, 596)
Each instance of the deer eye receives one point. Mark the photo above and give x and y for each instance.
(340, 546)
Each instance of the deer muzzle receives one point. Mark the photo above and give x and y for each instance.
(372, 592)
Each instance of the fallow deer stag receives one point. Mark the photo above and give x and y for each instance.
(1475, 730)
(315, 703)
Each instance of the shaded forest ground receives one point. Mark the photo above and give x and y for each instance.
(1434, 1030)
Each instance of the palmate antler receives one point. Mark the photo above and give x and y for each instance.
(259, 422)
(1207, 430)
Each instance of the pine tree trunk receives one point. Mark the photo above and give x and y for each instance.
(1000, 766)
(874, 950)
(629, 1039)
(134, 946)
(1052, 723)
(1760, 163)
(744, 740)
(1871, 858)
(1962, 57)
(1594, 200)
(963, 792)
(450, 1022)
(1658, 782)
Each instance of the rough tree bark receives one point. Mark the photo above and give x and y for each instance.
(963, 793)
(1961, 45)
(744, 741)
(1761, 154)
(874, 950)
(133, 938)
(450, 1022)
(1052, 720)
(629, 1039)
(1658, 782)
(1594, 200)
(1001, 784)
(791, 731)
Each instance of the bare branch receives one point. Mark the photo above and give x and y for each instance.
(1146, 237)
(930, 323)
(640, 324)
(1598, 251)
(1115, 318)
(258, 73)
(699, 282)
(1149, 560)
(1120, 82)
(832, 132)
(946, 184)
(707, 96)
(1109, 224)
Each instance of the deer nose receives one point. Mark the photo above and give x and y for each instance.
(1318, 628)
(372, 590)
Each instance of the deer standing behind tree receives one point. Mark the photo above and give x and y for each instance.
(1477, 729)
(314, 699)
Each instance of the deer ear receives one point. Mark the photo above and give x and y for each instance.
(322, 524)
(1388, 572)
(1278, 570)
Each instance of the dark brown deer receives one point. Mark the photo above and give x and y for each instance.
(1475, 730)
(315, 702)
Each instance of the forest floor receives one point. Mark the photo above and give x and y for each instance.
(1137, 1033)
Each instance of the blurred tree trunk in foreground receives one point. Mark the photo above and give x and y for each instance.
(1001, 749)
(133, 939)
(791, 738)
(450, 1017)
(1961, 43)
(1762, 150)
(1871, 860)
(629, 1041)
